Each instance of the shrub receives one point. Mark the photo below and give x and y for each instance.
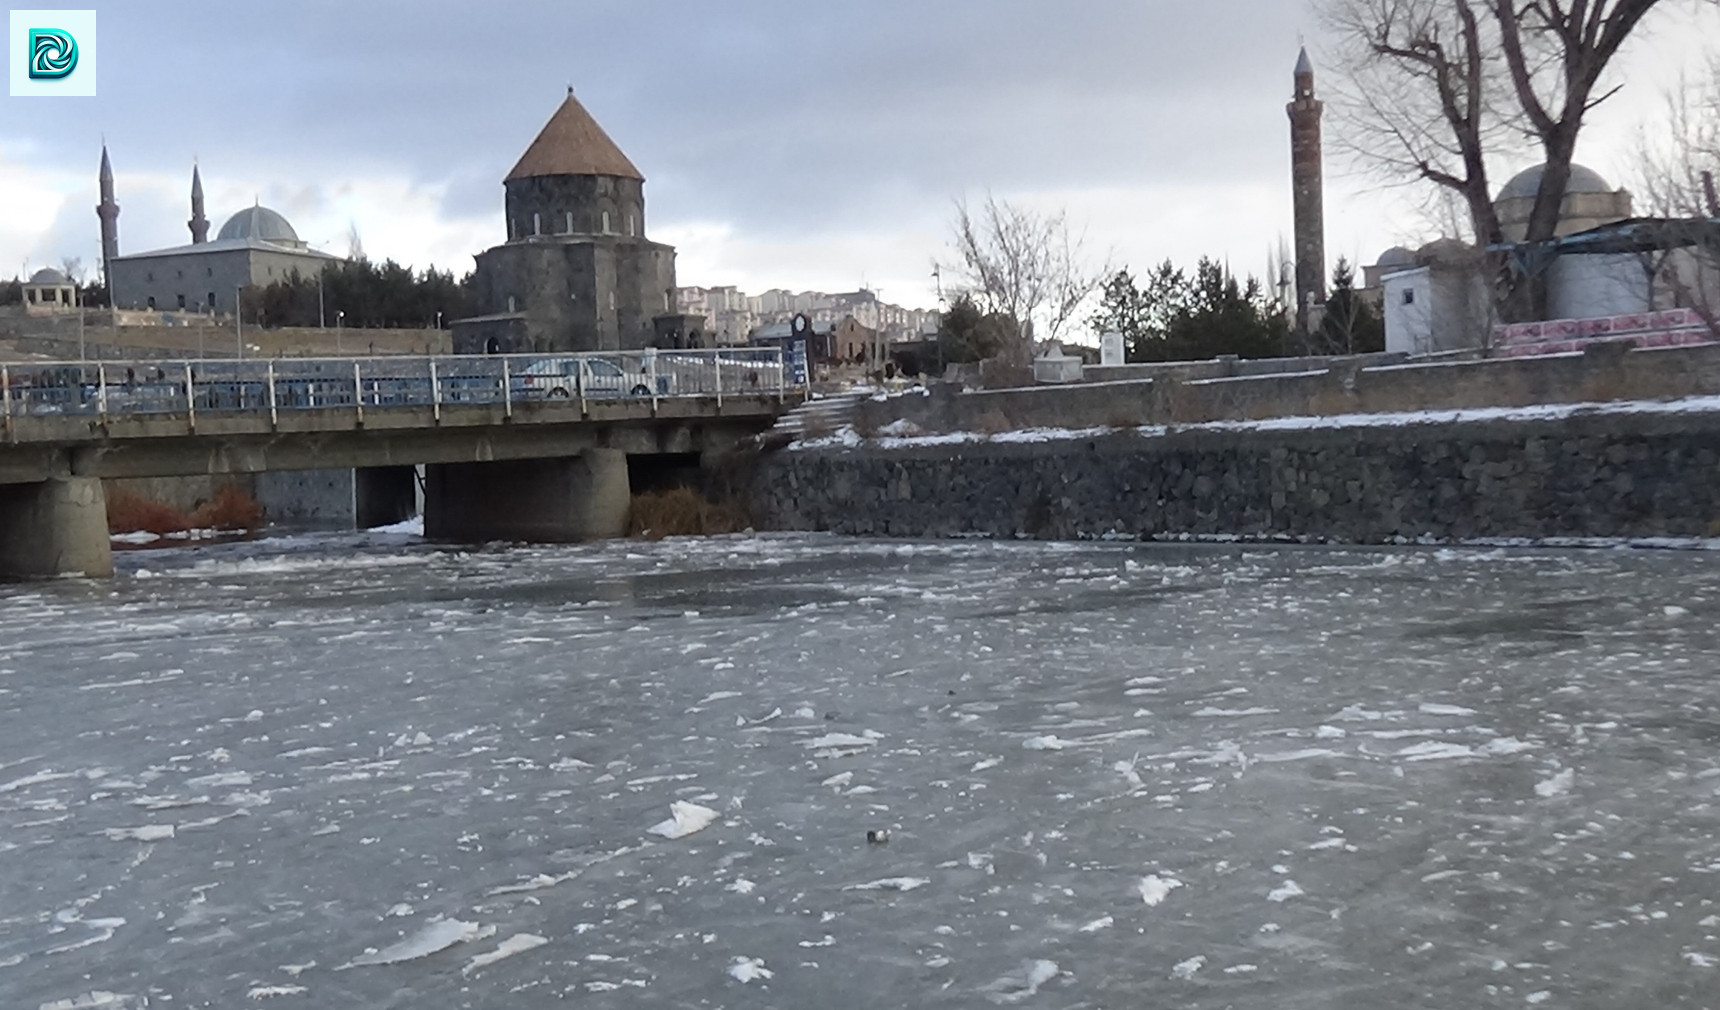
(682, 512)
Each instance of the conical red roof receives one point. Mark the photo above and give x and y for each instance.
(572, 143)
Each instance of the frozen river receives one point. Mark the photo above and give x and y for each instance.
(366, 772)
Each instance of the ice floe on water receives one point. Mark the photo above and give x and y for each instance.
(1154, 889)
(432, 939)
(1023, 983)
(519, 943)
(397, 751)
(685, 819)
(749, 969)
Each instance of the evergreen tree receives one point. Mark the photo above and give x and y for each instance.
(1352, 325)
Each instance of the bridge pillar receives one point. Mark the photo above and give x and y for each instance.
(53, 528)
(566, 500)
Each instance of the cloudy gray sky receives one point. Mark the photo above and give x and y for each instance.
(786, 143)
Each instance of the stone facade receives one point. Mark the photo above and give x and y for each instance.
(577, 272)
(1633, 476)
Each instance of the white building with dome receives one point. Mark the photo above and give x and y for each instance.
(255, 247)
(1437, 298)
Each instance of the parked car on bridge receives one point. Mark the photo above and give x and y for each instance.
(559, 379)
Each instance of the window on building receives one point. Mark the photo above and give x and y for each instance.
(632, 226)
(150, 302)
(612, 301)
(537, 224)
(180, 274)
(1409, 296)
(511, 304)
(211, 301)
(181, 300)
(665, 301)
(570, 222)
(208, 271)
(605, 222)
(149, 276)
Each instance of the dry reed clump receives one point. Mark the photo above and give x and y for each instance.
(128, 512)
(682, 512)
(231, 509)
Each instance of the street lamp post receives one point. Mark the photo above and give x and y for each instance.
(339, 320)
(239, 320)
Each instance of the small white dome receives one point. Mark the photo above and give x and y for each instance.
(1396, 256)
(1525, 184)
(48, 275)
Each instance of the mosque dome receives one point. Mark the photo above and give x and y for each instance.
(1525, 184)
(259, 223)
(48, 275)
(1395, 257)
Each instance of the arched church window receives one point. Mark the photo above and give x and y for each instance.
(605, 222)
(570, 222)
(632, 226)
(537, 224)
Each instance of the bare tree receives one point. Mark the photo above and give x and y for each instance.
(1680, 159)
(1420, 99)
(1438, 87)
(1023, 264)
(1675, 179)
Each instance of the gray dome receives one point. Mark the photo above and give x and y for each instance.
(48, 275)
(1525, 184)
(258, 223)
(1396, 256)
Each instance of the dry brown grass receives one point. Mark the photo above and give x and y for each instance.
(231, 509)
(129, 512)
(682, 512)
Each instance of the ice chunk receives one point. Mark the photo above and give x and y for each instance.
(749, 969)
(1104, 922)
(220, 780)
(1023, 983)
(986, 765)
(838, 781)
(1185, 970)
(1048, 742)
(1456, 710)
(1701, 960)
(1558, 785)
(269, 991)
(890, 884)
(1284, 893)
(519, 943)
(838, 742)
(1434, 750)
(685, 819)
(436, 937)
(97, 1000)
(146, 833)
(1154, 889)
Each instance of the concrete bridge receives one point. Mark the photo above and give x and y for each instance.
(514, 447)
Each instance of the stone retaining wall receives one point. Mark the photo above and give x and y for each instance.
(1614, 476)
(1607, 372)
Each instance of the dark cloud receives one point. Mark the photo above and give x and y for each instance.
(778, 117)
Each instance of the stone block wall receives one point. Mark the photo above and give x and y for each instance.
(1606, 372)
(1616, 476)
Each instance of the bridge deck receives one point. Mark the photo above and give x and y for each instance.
(119, 419)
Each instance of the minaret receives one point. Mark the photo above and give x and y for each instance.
(108, 211)
(1308, 189)
(198, 223)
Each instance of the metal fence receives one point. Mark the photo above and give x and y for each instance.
(273, 385)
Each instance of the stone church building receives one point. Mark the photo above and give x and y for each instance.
(576, 272)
